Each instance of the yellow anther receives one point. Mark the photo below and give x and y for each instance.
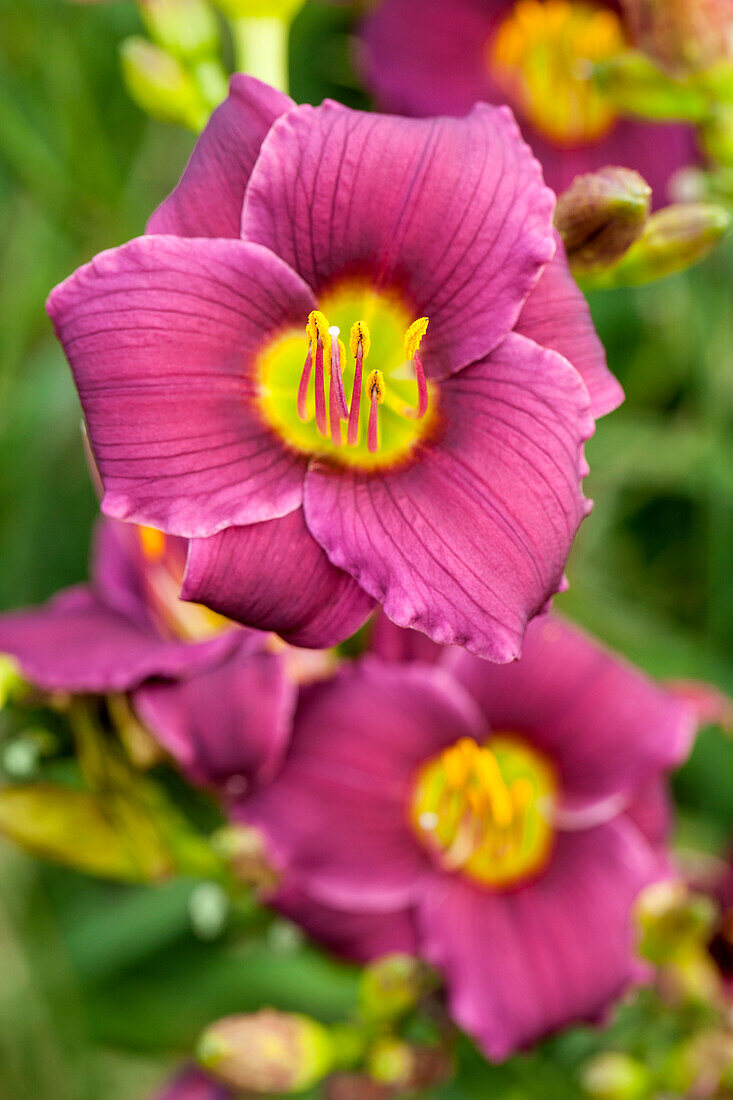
(375, 382)
(457, 768)
(521, 792)
(478, 801)
(342, 350)
(414, 335)
(152, 542)
(491, 779)
(360, 333)
(318, 327)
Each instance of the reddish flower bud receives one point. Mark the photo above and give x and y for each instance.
(267, 1052)
(601, 215)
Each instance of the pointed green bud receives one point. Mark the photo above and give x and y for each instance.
(160, 85)
(186, 28)
(601, 215)
(673, 239)
(391, 987)
(73, 827)
(267, 1052)
(635, 85)
(616, 1076)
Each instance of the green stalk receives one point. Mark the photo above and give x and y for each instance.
(261, 48)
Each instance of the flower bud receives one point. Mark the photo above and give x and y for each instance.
(406, 1067)
(616, 1076)
(673, 239)
(160, 85)
(268, 1051)
(11, 682)
(391, 987)
(680, 35)
(601, 215)
(244, 849)
(185, 28)
(671, 920)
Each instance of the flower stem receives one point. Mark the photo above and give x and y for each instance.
(261, 48)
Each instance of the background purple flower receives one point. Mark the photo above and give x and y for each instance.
(429, 57)
(210, 692)
(521, 960)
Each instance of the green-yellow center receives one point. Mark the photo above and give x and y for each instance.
(542, 56)
(369, 339)
(485, 811)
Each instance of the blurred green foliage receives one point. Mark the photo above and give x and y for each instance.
(103, 986)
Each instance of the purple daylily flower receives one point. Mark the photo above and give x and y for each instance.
(427, 57)
(511, 814)
(184, 667)
(437, 474)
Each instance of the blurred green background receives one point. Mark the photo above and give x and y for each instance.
(102, 987)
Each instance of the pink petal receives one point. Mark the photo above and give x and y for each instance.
(652, 812)
(230, 722)
(609, 728)
(469, 541)
(275, 576)
(522, 965)
(161, 335)
(335, 814)
(394, 643)
(208, 200)
(76, 644)
(451, 213)
(355, 935)
(556, 316)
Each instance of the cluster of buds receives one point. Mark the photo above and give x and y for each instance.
(612, 240)
(175, 75)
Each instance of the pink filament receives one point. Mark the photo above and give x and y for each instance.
(304, 382)
(422, 391)
(321, 418)
(353, 433)
(337, 378)
(373, 432)
(333, 411)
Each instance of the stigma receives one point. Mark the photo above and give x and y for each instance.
(484, 811)
(542, 56)
(326, 363)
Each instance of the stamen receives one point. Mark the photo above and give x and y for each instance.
(376, 390)
(413, 339)
(360, 342)
(321, 419)
(305, 382)
(337, 381)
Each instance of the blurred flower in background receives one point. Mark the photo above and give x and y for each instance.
(426, 57)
